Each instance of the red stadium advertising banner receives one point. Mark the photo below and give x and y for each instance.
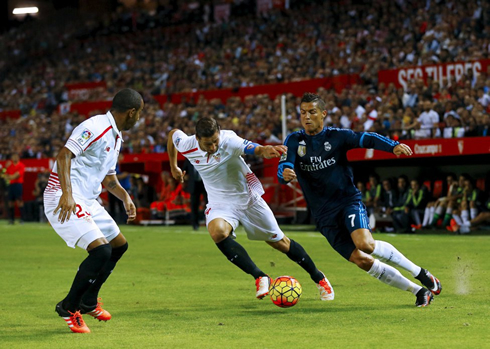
(9, 114)
(424, 148)
(439, 72)
(81, 91)
(88, 108)
(297, 88)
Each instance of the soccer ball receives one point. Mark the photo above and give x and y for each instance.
(285, 291)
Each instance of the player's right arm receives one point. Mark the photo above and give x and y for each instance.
(285, 170)
(172, 157)
(67, 204)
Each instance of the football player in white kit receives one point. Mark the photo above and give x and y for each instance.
(70, 202)
(235, 196)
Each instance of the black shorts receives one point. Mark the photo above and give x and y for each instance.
(14, 192)
(338, 227)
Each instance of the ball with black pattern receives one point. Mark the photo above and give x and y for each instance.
(285, 291)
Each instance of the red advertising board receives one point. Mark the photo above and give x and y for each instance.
(439, 72)
(81, 91)
(9, 114)
(429, 148)
(297, 88)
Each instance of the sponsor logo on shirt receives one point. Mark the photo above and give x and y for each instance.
(85, 136)
(284, 156)
(317, 164)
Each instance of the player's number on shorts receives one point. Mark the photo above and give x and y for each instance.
(352, 218)
(79, 212)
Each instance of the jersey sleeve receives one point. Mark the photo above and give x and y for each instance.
(183, 143)
(287, 159)
(368, 140)
(236, 144)
(82, 136)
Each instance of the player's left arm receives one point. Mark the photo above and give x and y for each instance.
(111, 183)
(372, 140)
(265, 151)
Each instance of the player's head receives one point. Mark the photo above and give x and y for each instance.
(15, 157)
(126, 108)
(313, 113)
(207, 134)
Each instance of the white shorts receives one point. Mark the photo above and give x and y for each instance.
(257, 219)
(90, 222)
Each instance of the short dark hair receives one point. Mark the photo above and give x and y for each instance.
(126, 99)
(206, 127)
(309, 97)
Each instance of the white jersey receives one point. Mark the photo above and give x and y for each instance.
(96, 143)
(226, 177)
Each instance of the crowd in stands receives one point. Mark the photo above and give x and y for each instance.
(191, 52)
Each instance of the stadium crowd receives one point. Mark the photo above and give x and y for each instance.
(311, 40)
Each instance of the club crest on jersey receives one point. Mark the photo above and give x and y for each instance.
(328, 146)
(302, 148)
(217, 157)
(177, 141)
(85, 136)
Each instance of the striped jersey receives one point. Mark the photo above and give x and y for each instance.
(96, 143)
(321, 165)
(225, 175)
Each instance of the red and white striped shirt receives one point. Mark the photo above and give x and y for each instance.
(96, 143)
(226, 176)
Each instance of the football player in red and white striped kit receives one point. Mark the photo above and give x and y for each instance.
(234, 197)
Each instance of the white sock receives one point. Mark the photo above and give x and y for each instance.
(391, 276)
(426, 216)
(465, 216)
(473, 213)
(388, 253)
(439, 210)
(465, 228)
(449, 210)
(432, 211)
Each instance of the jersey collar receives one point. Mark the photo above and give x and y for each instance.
(113, 124)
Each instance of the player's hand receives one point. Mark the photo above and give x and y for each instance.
(130, 209)
(288, 174)
(178, 174)
(402, 149)
(66, 207)
(274, 151)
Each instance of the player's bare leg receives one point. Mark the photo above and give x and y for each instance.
(296, 253)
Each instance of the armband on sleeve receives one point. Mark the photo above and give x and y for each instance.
(250, 148)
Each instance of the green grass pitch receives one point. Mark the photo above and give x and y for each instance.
(174, 289)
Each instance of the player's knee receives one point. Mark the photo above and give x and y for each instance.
(218, 235)
(282, 245)
(118, 252)
(102, 253)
